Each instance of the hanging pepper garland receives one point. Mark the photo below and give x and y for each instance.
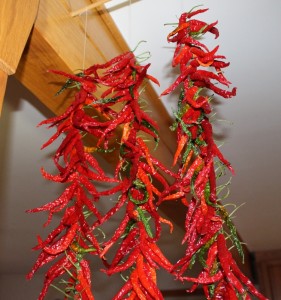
(139, 182)
(207, 222)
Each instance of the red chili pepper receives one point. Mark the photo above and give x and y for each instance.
(225, 260)
(182, 55)
(220, 291)
(125, 265)
(246, 281)
(112, 211)
(64, 242)
(129, 242)
(42, 259)
(188, 70)
(195, 166)
(155, 175)
(50, 238)
(204, 278)
(124, 116)
(80, 98)
(181, 144)
(87, 83)
(174, 196)
(85, 284)
(146, 153)
(145, 279)
(64, 126)
(127, 287)
(157, 163)
(136, 285)
(123, 57)
(117, 234)
(58, 269)
(60, 202)
(192, 13)
(203, 75)
(159, 257)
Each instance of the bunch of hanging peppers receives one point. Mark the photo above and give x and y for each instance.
(107, 111)
(209, 230)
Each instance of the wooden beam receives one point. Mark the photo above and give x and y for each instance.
(17, 18)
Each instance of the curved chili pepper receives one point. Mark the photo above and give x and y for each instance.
(225, 260)
(246, 281)
(58, 269)
(86, 82)
(181, 78)
(136, 285)
(147, 283)
(125, 265)
(42, 259)
(129, 242)
(127, 287)
(85, 284)
(159, 257)
(64, 243)
(192, 13)
(117, 234)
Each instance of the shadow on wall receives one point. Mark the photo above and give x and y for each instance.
(16, 95)
(16, 191)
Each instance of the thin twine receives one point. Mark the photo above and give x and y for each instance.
(85, 33)
(130, 24)
(85, 38)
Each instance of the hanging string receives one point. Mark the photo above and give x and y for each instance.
(85, 38)
(85, 31)
(130, 24)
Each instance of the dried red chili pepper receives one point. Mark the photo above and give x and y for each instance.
(83, 276)
(145, 279)
(58, 269)
(64, 243)
(196, 173)
(127, 287)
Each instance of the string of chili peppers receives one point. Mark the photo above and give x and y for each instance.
(138, 170)
(122, 78)
(206, 234)
(138, 176)
(73, 238)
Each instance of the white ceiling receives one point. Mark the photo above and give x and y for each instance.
(250, 41)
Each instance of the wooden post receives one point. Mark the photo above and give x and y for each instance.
(17, 18)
